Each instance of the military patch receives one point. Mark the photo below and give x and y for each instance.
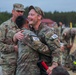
(54, 36)
(35, 38)
(61, 44)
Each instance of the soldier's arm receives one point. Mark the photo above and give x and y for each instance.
(4, 46)
(36, 44)
(40, 47)
(50, 38)
(18, 36)
(53, 43)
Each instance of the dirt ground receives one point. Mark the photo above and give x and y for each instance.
(72, 73)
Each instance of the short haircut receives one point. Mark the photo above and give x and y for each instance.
(20, 21)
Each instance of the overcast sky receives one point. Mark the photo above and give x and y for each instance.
(45, 5)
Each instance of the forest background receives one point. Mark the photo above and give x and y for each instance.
(64, 17)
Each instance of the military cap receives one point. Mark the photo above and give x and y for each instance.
(37, 9)
(18, 7)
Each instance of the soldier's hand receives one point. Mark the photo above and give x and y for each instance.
(49, 70)
(16, 48)
(18, 36)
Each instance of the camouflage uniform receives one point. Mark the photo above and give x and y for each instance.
(70, 35)
(68, 40)
(28, 54)
(8, 56)
(60, 28)
(72, 60)
(47, 36)
(60, 32)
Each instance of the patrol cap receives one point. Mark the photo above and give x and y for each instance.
(18, 7)
(37, 9)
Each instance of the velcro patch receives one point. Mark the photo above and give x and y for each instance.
(35, 38)
(54, 36)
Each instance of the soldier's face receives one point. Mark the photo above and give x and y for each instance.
(17, 13)
(33, 17)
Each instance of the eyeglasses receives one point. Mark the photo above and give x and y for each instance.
(19, 11)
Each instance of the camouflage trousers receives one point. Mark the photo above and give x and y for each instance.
(27, 69)
(64, 58)
(67, 62)
(7, 69)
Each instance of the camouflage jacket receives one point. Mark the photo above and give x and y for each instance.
(48, 37)
(7, 52)
(70, 35)
(28, 54)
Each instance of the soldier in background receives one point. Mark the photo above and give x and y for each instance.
(60, 28)
(72, 60)
(68, 36)
(55, 28)
(46, 35)
(8, 50)
(29, 48)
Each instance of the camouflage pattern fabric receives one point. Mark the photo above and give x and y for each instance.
(70, 35)
(18, 7)
(68, 41)
(8, 56)
(48, 37)
(29, 47)
(60, 32)
(66, 34)
(73, 60)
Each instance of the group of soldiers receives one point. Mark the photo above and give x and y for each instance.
(68, 38)
(24, 42)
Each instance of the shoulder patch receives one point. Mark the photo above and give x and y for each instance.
(35, 38)
(54, 36)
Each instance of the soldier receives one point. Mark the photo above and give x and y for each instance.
(66, 42)
(8, 50)
(28, 49)
(68, 35)
(68, 39)
(60, 28)
(46, 35)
